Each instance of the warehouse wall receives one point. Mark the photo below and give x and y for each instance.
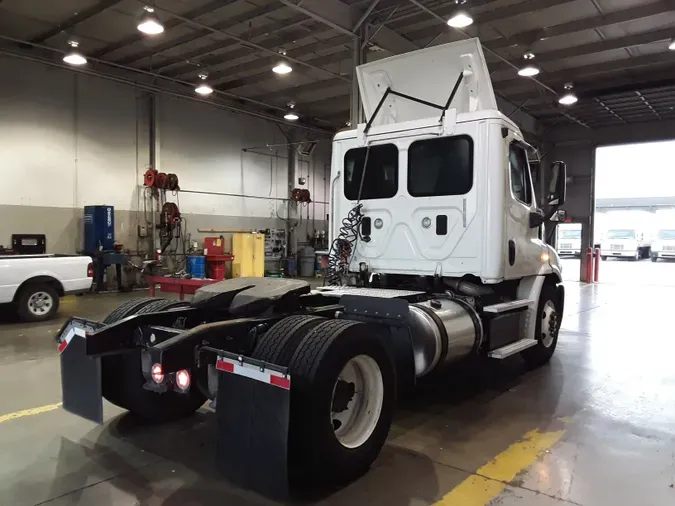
(68, 140)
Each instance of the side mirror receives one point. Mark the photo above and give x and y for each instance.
(559, 216)
(537, 217)
(557, 191)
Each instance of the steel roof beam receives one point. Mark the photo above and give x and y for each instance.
(267, 75)
(239, 39)
(590, 23)
(510, 11)
(168, 25)
(221, 44)
(78, 18)
(342, 18)
(568, 74)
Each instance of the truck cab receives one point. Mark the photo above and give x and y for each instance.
(664, 245)
(629, 243)
(569, 239)
(444, 193)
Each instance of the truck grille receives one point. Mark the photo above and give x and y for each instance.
(565, 245)
(616, 246)
(668, 248)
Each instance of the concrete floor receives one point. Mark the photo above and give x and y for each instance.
(595, 427)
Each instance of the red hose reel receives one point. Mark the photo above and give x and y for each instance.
(161, 180)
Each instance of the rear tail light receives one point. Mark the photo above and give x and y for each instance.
(90, 270)
(183, 379)
(157, 373)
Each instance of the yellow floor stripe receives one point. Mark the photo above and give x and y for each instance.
(490, 480)
(29, 412)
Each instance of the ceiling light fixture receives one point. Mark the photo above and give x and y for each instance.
(291, 115)
(528, 70)
(74, 57)
(460, 18)
(672, 45)
(150, 23)
(203, 87)
(282, 67)
(568, 98)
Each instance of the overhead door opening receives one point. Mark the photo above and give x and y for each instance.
(634, 220)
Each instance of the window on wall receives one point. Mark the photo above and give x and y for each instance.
(440, 166)
(520, 174)
(380, 180)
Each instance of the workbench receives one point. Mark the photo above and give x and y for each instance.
(181, 286)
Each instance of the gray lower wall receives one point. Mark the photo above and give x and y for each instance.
(64, 229)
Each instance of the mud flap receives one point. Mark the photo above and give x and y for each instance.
(253, 404)
(80, 376)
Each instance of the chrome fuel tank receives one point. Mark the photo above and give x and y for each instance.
(443, 331)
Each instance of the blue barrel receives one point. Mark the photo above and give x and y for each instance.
(196, 265)
(291, 267)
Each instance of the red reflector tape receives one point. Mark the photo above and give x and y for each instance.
(280, 381)
(72, 331)
(250, 371)
(221, 365)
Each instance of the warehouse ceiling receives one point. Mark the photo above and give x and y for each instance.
(614, 52)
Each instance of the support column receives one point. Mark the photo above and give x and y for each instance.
(153, 160)
(291, 235)
(356, 109)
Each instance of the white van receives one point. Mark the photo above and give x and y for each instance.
(631, 243)
(664, 245)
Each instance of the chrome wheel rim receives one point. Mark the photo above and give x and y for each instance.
(356, 404)
(40, 303)
(549, 324)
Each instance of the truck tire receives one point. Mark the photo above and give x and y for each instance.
(655, 259)
(343, 395)
(37, 302)
(128, 308)
(546, 329)
(123, 379)
(278, 344)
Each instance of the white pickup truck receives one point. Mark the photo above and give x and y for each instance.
(32, 284)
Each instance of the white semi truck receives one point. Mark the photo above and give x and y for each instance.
(663, 246)
(569, 239)
(632, 243)
(436, 257)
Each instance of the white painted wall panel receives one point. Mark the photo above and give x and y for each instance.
(204, 147)
(106, 144)
(36, 135)
(68, 140)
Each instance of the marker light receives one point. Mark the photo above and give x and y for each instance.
(183, 379)
(157, 373)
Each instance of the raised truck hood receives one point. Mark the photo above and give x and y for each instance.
(428, 74)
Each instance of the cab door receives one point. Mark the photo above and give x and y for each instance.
(523, 248)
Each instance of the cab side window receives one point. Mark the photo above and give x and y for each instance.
(519, 169)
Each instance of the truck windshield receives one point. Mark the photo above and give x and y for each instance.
(621, 234)
(570, 234)
(666, 234)
(381, 177)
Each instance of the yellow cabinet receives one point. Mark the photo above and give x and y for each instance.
(249, 255)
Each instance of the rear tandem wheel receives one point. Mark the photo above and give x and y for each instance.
(343, 395)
